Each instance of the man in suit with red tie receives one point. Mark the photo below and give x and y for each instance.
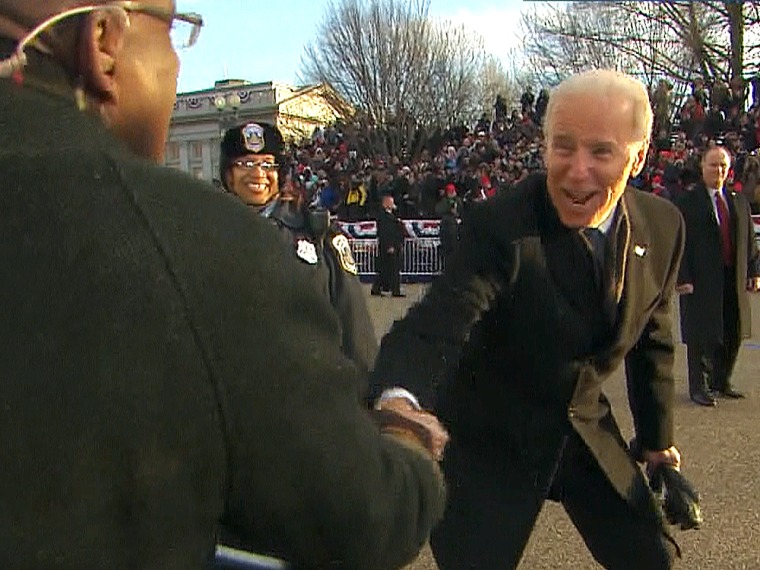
(719, 267)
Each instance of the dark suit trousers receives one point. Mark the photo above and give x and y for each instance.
(492, 509)
(388, 273)
(711, 366)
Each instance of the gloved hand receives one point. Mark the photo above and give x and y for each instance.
(680, 498)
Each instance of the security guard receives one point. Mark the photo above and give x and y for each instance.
(249, 168)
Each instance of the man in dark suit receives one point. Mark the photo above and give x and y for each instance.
(719, 267)
(390, 244)
(165, 363)
(556, 284)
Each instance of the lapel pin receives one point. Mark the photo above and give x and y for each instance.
(640, 250)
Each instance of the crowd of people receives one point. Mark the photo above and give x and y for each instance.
(475, 163)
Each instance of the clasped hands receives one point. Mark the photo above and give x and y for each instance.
(398, 416)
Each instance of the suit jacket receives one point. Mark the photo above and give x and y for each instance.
(390, 232)
(505, 346)
(702, 266)
(165, 363)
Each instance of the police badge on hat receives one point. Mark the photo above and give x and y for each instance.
(345, 257)
(253, 137)
(307, 251)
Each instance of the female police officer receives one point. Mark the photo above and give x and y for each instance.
(249, 169)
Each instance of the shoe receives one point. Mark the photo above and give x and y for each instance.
(731, 393)
(703, 399)
(399, 295)
(376, 293)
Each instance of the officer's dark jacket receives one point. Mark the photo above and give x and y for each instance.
(320, 245)
(143, 392)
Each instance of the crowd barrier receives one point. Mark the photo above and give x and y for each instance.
(421, 260)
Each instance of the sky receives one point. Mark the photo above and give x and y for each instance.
(263, 40)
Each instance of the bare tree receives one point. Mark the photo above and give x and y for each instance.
(404, 74)
(678, 40)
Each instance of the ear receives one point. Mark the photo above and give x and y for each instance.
(100, 44)
(640, 159)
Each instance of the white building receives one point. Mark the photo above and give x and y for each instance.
(201, 117)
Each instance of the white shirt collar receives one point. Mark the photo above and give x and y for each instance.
(605, 225)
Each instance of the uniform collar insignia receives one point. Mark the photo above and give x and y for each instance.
(307, 251)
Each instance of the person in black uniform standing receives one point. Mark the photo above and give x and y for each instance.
(719, 267)
(249, 168)
(390, 243)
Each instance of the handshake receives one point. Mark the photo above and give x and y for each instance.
(400, 418)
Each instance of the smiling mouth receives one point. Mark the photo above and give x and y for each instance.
(578, 200)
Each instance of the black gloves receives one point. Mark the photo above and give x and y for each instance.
(680, 500)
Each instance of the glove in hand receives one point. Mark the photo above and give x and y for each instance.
(680, 498)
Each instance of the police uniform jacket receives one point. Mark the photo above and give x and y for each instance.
(325, 251)
(702, 266)
(144, 393)
(513, 344)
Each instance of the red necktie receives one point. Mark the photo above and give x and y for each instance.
(724, 220)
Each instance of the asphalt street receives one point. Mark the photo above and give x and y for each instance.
(721, 455)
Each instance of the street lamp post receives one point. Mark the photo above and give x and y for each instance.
(228, 107)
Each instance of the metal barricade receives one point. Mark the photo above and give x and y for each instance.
(421, 258)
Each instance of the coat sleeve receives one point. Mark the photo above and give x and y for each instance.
(419, 351)
(347, 298)
(649, 365)
(753, 252)
(310, 477)
(685, 273)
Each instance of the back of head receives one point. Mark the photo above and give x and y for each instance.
(17, 17)
(607, 83)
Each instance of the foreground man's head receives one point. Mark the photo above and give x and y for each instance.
(598, 126)
(119, 57)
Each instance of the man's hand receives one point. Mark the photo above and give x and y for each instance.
(670, 456)
(685, 289)
(753, 285)
(399, 416)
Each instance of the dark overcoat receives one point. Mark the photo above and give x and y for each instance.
(503, 345)
(702, 266)
(164, 364)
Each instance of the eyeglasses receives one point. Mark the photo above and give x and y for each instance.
(251, 164)
(185, 28)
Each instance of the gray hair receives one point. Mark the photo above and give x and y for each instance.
(610, 83)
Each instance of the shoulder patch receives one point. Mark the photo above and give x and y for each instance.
(345, 257)
(307, 251)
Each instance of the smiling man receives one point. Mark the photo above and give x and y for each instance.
(554, 285)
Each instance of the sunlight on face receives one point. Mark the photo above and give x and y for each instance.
(590, 153)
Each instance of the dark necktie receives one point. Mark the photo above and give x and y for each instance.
(724, 221)
(595, 240)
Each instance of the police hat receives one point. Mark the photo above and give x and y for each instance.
(250, 138)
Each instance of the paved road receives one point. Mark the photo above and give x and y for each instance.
(721, 455)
